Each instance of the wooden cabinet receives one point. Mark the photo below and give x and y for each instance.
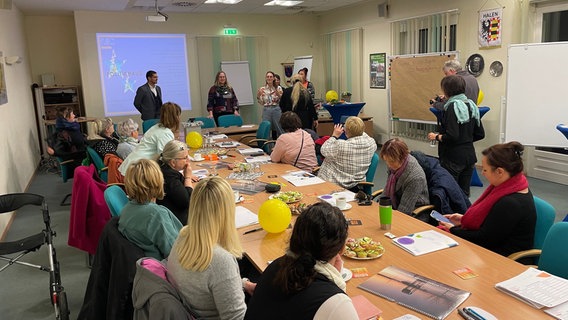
(48, 101)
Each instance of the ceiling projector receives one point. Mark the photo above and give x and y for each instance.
(158, 17)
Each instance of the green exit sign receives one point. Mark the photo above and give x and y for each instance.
(230, 31)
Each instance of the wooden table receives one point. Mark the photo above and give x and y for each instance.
(233, 132)
(260, 247)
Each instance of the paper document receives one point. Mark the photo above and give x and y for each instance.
(251, 151)
(244, 217)
(247, 126)
(302, 178)
(259, 159)
(218, 136)
(227, 144)
(424, 242)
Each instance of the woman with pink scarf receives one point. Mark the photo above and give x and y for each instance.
(503, 218)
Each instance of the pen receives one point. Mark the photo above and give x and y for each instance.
(253, 230)
(473, 314)
(464, 314)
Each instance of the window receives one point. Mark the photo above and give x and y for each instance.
(551, 23)
(426, 34)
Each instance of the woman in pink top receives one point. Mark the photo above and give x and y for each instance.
(295, 146)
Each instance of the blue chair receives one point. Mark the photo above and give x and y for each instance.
(147, 124)
(99, 164)
(207, 122)
(116, 199)
(230, 120)
(368, 184)
(545, 215)
(564, 129)
(260, 139)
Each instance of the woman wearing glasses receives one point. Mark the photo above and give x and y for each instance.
(178, 186)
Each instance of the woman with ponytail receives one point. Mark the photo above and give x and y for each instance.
(298, 99)
(306, 283)
(503, 218)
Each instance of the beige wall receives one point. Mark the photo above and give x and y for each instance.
(19, 143)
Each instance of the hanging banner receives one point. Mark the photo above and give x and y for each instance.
(490, 22)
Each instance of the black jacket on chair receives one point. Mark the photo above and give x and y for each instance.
(109, 290)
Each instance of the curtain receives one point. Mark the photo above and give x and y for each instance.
(211, 50)
(342, 59)
(431, 33)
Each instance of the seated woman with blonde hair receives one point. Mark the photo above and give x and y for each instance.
(150, 226)
(108, 140)
(503, 218)
(128, 133)
(203, 262)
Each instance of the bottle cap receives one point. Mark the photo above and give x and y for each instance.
(385, 201)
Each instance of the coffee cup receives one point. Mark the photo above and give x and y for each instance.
(197, 156)
(341, 202)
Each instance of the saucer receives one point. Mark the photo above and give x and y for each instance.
(197, 160)
(347, 207)
(346, 274)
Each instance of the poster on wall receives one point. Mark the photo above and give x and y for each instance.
(490, 22)
(3, 92)
(377, 69)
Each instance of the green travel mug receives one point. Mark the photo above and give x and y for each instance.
(385, 212)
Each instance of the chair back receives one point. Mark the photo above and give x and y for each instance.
(564, 129)
(207, 122)
(115, 199)
(545, 215)
(147, 124)
(263, 134)
(230, 120)
(370, 175)
(554, 256)
(98, 162)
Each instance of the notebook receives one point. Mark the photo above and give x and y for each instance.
(432, 298)
(365, 309)
(424, 242)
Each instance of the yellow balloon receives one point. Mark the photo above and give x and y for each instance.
(331, 95)
(274, 216)
(194, 140)
(480, 97)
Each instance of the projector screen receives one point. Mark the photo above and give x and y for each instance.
(124, 59)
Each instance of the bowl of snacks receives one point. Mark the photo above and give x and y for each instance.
(363, 248)
(287, 196)
(297, 208)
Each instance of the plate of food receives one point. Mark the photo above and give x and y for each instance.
(363, 248)
(287, 196)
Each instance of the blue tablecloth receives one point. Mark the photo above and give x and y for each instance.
(344, 109)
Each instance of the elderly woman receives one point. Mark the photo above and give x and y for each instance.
(203, 263)
(298, 99)
(150, 226)
(109, 141)
(177, 186)
(503, 218)
(156, 137)
(406, 182)
(128, 132)
(306, 283)
(296, 146)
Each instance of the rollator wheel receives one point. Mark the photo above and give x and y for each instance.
(62, 306)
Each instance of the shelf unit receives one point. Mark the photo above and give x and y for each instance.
(48, 100)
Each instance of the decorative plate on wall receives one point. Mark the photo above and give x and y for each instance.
(496, 68)
(475, 64)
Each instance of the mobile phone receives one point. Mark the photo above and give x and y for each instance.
(438, 216)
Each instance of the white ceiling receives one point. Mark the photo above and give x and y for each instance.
(177, 6)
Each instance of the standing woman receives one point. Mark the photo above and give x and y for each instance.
(305, 83)
(306, 283)
(203, 262)
(296, 98)
(269, 96)
(503, 218)
(156, 137)
(221, 98)
(459, 128)
(177, 186)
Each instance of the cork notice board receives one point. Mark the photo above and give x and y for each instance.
(414, 80)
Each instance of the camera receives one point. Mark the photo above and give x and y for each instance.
(436, 99)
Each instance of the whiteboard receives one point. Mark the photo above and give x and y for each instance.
(238, 76)
(301, 62)
(537, 93)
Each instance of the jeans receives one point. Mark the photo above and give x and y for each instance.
(461, 173)
(272, 114)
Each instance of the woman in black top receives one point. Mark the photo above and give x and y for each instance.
(221, 99)
(296, 98)
(459, 128)
(177, 186)
(110, 139)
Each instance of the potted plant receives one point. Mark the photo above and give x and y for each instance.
(346, 95)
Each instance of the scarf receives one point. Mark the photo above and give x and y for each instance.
(329, 271)
(476, 214)
(461, 109)
(390, 189)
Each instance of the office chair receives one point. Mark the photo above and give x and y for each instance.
(367, 185)
(230, 120)
(116, 199)
(260, 139)
(563, 129)
(147, 124)
(545, 215)
(99, 164)
(207, 122)
(13, 251)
